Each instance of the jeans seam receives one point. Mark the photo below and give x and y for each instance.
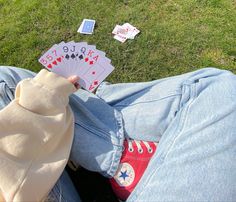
(176, 130)
(183, 119)
(119, 148)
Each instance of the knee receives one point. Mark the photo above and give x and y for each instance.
(226, 83)
(4, 70)
(222, 86)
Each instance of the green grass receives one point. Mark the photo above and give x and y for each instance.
(176, 36)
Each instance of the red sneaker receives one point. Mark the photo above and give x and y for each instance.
(134, 161)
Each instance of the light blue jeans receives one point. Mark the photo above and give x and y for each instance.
(192, 116)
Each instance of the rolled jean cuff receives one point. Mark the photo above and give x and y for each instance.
(118, 149)
(99, 134)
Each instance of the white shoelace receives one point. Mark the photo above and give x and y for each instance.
(138, 143)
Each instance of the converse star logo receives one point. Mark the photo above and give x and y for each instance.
(125, 175)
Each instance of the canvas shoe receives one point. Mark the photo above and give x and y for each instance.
(134, 161)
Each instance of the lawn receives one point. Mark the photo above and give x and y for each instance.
(176, 36)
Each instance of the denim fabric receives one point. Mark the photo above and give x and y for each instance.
(99, 136)
(192, 115)
(63, 191)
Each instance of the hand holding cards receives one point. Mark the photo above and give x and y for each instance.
(80, 59)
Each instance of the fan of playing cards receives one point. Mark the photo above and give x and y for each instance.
(81, 59)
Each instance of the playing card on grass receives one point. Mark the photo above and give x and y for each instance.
(86, 26)
(124, 32)
(85, 61)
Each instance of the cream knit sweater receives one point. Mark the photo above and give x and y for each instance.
(36, 132)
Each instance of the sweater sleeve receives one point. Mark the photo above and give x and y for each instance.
(36, 132)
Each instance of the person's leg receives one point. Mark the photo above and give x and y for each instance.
(139, 111)
(196, 157)
(9, 77)
(64, 190)
(192, 107)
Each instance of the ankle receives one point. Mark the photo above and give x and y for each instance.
(133, 163)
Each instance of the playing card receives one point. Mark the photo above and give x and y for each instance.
(80, 49)
(131, 30)
(96, 75)
(92, 59)
(119, 30)
(124, 32)
(78, 57)
(59, 68)
(81, 59)
(67, 50)
(87, 26)
(120, 37)
(92, 56)
(51, 59)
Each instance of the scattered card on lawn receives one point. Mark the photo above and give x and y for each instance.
(81, 59)
(124, 32)
(86, 26)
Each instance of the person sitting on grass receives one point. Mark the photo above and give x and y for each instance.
(171, 139)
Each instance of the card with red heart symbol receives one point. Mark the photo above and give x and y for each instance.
(80, 59)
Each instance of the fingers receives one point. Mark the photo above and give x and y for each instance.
(74, 80)
(77, 85)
